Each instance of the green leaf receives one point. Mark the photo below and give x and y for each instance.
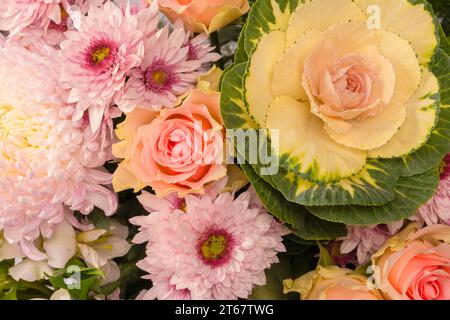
(438, 145)
(232, 104)
(303, 224)
(99, 219)
(130, 275)
(445, 43)
(362, 269)
(442, 9)
(273, 289)
(295, 248)
(4, 266)
(86, 279)
(85, 288)
(411, 193)
(293, 238)
(240, 55)
(374, 185)
(325, 259)
(304, 263)
(110, 288)
(11, 294)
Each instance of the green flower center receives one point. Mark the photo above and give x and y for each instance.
(214, 247)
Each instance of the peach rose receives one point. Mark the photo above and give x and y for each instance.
(332, 283)
(176, 150)
(415, 264)
(204, 15)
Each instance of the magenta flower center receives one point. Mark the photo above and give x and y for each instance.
(100, 54)
(159, 77)
(214, 247)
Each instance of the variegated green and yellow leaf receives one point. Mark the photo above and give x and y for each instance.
(233, 107)
(302, 222)
(410, 194)
(264, 17)
(374, 185)
(438, 144)
(240, 55)
(445, 43)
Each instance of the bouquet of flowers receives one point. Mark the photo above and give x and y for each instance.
(224, 149)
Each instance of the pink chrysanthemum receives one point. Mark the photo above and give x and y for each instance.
(52, 31)
(437, 210)
(29, 38)
(16, 15)
(171, 66)
(71, 15)
(200, 49)
(207, 247)
(47, 164)
(135, 5)
(98, 57)
(367, 240)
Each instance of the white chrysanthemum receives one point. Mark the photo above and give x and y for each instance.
(47, 164)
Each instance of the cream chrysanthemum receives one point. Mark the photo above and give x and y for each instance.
(47, 164)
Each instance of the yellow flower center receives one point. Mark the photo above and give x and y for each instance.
(159, 77)
(100, 54)
(64, 13)
(214, 247)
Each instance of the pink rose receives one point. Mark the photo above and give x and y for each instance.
(415, 264)
(177, 150)
(204, 15)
